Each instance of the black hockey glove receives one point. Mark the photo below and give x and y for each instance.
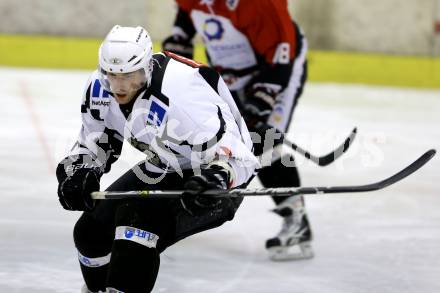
(258, 106)
(178, 45)
(256, 112)
(74, 189)
(193, 200)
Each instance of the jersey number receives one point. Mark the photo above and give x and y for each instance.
(282, 54)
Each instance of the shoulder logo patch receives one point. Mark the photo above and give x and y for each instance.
(156, 114)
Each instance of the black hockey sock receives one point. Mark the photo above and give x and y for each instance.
(278, 175)
(94, 277)
(133, 267)
(94, 246)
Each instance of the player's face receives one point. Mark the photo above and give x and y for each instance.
(125, 85)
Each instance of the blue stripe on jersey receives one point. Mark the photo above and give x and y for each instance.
(156, 114)
(96, 89)
(105, 94)
(96, 93)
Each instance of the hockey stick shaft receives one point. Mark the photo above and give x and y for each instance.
(284, 191)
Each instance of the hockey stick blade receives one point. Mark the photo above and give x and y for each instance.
(282, 191)
(330, 157)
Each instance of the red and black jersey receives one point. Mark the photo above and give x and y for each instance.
(243, 38)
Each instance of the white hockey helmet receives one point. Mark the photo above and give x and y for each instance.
(125, 50)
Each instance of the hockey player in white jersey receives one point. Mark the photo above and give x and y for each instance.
(182, 116)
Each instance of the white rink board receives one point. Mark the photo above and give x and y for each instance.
(387, 241)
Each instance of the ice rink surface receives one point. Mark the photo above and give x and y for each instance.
(387, 241)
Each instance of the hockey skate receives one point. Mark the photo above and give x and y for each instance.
(293, 242)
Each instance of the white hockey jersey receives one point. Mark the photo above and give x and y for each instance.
(186, 119)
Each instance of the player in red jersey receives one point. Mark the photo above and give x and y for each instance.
(261, 54)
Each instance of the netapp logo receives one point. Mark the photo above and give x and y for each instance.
(100, 103)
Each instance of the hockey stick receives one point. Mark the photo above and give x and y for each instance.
(322, 160)
(283, 191)
(330, 157)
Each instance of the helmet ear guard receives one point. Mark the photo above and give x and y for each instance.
(125, 50)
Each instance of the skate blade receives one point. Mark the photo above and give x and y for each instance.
(296, 252)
